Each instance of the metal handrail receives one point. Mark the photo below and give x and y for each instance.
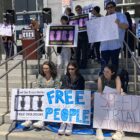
(7, 72)
(133, 57)
(21, 61)
(22, 51)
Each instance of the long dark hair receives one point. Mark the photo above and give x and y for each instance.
(113, 70)
(75, 65)
(52, 67)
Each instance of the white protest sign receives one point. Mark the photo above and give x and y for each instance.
(69, 106)
(116, 112)
(27, 104)
(110, 90)
(102, 29)
(5, 30)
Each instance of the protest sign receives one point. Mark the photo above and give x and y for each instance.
(117, 112)
(64, 36)
(69, 106)
(102, 29)
(27, 104)
(5, 30)
(79, 20)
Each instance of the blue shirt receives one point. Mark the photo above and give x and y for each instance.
(117, 43)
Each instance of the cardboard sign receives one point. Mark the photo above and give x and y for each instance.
(99, 30)
(6, 30)
(117, 112)
(52, 105)
(27, 104)
(64, 36)
(69, 106)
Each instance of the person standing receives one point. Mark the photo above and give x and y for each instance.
(8, 46)
(96, 46)
(64, 53)
(110, 50)
(68, 12)
(82, 47)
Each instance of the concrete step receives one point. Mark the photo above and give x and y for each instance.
(4, 131)
(131, 86)
(18, 77)
(14, 84)
(7, 119)
(18, 71)
(3, 102)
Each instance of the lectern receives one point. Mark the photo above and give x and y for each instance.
(29, 36)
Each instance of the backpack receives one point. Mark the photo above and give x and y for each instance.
(124, 77)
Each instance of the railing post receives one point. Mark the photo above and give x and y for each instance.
(22, 75)
(126, 55)
(26, 76)
(135, 78)
(7, 87)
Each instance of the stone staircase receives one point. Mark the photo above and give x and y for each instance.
(90, 74)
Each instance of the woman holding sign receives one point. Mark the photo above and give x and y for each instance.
(109, 79)
(72, 80)
(46, 79)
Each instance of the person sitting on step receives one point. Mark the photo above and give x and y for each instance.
(46, 79)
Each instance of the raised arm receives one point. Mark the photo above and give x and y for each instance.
(118, 84)
(100, 88)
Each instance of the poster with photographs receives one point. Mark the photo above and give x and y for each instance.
(79, 20)
(64, 36)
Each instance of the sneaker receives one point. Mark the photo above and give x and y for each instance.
(68, 130)
(62, 128)
(118, 135)
(99, 134)
(38, 124)
(26, 123)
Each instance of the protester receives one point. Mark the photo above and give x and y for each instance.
(110, 79)
(110, 49)
(72, 80)
(46, 79)
(64, 53)
(82, 48)
(68, 12)
(138, 35)
(39, 34)
(8, 46)
(95, 47)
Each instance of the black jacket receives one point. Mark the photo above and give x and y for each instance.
(78, 84)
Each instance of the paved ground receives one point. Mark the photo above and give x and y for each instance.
(47, 135)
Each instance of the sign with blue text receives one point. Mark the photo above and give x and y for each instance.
(69, 106)
(117, 112)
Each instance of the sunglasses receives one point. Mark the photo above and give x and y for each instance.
(71, 68)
